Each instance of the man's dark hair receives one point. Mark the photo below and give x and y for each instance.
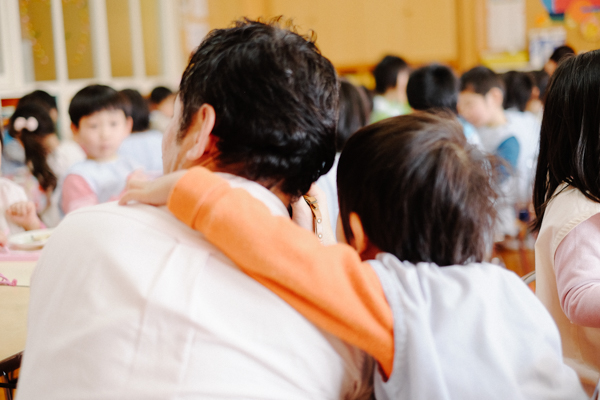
(96, 98)
(480, 80)
(354, 112)
(159, 93)
(138, 108)
(518, 87)
(432, 87)
(39, 97)
(420, 191)
(386, 73)
(569, 140)
(561, 52)
(275, 98)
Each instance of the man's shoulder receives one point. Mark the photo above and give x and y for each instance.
(138, 220)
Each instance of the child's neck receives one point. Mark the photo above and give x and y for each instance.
(498, 119)
(104, 159)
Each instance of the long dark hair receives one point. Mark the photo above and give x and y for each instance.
(570, 134)
(421, 192)
(35, 153)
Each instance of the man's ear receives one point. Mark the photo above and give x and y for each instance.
(200, 130)
(496, 95)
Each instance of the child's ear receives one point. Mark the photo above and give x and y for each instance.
(201, 129)
(359, 240)
(497, 96)
(75, 131)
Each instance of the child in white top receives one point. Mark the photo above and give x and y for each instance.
(100, 122)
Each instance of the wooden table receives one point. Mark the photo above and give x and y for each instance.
(14, 301)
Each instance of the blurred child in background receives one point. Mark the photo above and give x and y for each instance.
(162, 104)
(353, 115)
(556, 57)
(435, 87)
(17, 212)
(144, 146)
(13, 152)
(391, 77)
(509, 135)
(47, 158)
(100, 122)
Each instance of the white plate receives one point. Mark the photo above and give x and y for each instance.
(29, 240)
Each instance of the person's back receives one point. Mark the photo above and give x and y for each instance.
(175, 316)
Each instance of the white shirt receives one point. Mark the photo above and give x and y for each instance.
(66, 154)
(129, 303)
(10, 193)
(467, 332)
(145, 148)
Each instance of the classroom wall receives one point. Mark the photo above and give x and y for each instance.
(353, 32)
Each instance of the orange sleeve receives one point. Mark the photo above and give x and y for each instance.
(329, 285)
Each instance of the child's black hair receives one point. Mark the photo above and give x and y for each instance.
(96, 98)
(35, 153)
(569, 140)
(480, 80)
(354, 112)
(432, 87)
(138, 108)
(159, 93)
(39, 97)
(420, 191)
(561, 52)
(518, 89)
(386, 73)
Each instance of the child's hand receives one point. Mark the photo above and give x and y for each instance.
(154, 192)
(24, 214)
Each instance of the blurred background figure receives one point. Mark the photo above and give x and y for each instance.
(391, 77)
(162, 103)
(144, 144)
(559, 53)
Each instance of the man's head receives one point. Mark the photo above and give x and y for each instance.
(100, 121)
(481, 96)
(412, 187)
(262, 102)
(432, 87)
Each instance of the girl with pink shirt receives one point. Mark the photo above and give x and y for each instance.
(567, 203)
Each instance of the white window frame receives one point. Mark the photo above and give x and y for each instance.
(12, 81)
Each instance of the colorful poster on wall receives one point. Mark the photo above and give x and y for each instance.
(583, 15)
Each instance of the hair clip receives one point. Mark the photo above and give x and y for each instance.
(4, 281)
(21, 123)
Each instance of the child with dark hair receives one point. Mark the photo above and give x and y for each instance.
(144, 144)
(162, 103)
(14, 154)
(518, 90)
(354, 114)
(416, 207)
(47, 158)
(435, 87)
(557, 56)
(391, 76)
(17, 212)
(567, 204)
(512, 136)
(100, 121)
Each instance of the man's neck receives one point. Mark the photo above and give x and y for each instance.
(235, 169)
